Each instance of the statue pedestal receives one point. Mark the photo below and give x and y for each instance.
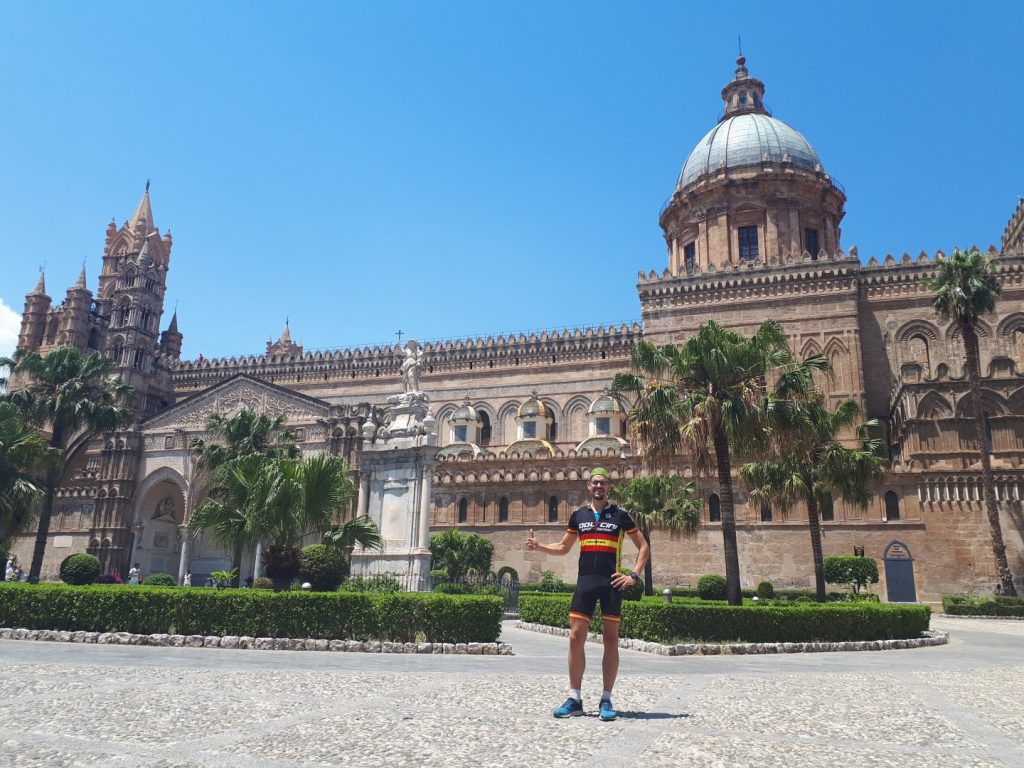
(396, 474)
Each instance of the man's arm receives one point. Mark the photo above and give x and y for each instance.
(623, 580)
(532, 545)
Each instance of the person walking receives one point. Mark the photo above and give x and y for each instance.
(187, 580)
(135, 574)
(600, 527)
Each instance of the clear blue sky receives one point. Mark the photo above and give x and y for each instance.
(455, 168)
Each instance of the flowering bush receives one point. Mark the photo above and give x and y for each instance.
(110, 578)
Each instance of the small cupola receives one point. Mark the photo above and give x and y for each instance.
(533, 425)
(605, 420)
(464, 426)
(744, 95)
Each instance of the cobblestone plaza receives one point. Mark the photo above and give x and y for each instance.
(961, 704)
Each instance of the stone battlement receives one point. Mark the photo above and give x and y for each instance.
(1013, 236)
(501, 351)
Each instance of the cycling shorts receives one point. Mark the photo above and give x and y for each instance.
(590, 589)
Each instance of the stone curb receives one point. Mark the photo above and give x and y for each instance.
(979, 616)
(928, 638)
(256, 643)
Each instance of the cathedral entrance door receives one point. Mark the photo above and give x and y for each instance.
(899, 574)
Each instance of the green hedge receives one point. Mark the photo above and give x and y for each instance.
(718, 622)
(983, 606)
(404, 617)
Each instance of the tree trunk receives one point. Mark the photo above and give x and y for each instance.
(732, 557)
(53, 475)
(236, 565)
(814, 524)
(649, 567)
(988, 482)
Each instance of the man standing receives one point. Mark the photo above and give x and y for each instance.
(600, 527)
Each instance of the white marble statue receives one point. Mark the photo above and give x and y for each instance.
(411, 366)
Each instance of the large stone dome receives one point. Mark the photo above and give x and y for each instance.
(746, 139)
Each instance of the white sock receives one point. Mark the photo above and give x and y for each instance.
(606, 695)
(575, 693)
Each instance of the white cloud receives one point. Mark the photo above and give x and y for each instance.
(10, 326)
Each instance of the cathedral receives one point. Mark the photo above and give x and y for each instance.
(752, 231)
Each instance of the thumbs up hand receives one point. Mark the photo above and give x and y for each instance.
(531, 541)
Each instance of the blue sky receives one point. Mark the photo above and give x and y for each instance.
(462, 168)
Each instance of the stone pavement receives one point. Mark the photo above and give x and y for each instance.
(125, 706)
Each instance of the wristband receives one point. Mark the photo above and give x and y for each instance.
(635, 575)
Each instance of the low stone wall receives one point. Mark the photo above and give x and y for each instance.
(928, 638)
(256, 643)
(980, 616)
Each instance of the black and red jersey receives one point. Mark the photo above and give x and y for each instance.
(601, 535)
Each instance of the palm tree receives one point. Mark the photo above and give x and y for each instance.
(707, 394)
(966, 287)
(24, 455)
(665, 502)
(72, 397)
(246, 433)
(811, 465)
(280, 501)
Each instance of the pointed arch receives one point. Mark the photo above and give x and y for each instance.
(934, 406)
(991, 403)
(506, 422)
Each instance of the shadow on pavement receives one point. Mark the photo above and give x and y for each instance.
(651, 715)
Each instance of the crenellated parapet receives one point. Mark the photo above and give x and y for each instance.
(493, 352)
(751, 279)
(1012, 240)
(901, 277)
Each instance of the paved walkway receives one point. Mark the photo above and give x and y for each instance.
(124, 706)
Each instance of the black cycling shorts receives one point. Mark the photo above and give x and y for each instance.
(589, 590)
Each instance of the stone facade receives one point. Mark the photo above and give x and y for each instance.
(752, 231)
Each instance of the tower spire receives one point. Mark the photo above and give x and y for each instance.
(41, 285)
(143, 211)
(81, 277)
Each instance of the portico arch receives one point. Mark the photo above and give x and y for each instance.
(159, 513)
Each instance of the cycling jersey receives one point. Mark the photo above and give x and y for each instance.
(600, 538)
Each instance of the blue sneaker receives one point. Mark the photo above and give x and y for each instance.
(570, 708)
(607, 711)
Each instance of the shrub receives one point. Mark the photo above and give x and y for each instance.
(113, 577)
(636, 591)
(439, 574)
(800, 622)
(983, 606)
(160, 580)
(549, 582)
(766, 590)
(857, 572)
(381, 583)
(459, 552)
(263, 583)
(403, 617)
(80, 569)
(711, 586)
(323, 567)
(508, 570)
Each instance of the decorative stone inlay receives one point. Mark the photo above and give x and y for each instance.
(928, 638)
(255, 643)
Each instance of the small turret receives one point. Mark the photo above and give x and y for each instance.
(33, 319)
(170, 340)
(73, 329)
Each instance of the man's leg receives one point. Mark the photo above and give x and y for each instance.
(578, 629)
(610, 662)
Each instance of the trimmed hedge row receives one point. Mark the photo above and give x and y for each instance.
(983, 606)
(717, 622)
(404, 617)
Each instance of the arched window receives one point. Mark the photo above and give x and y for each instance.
(553, 431)
(485, 428)
(987, 425)
(766, 512)
(714, 509)
(463, 510)
(503, 510)
(121, 318)
(553, 509)
(892, 506)
(828, 513)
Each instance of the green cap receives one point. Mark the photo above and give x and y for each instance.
(600, 471)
